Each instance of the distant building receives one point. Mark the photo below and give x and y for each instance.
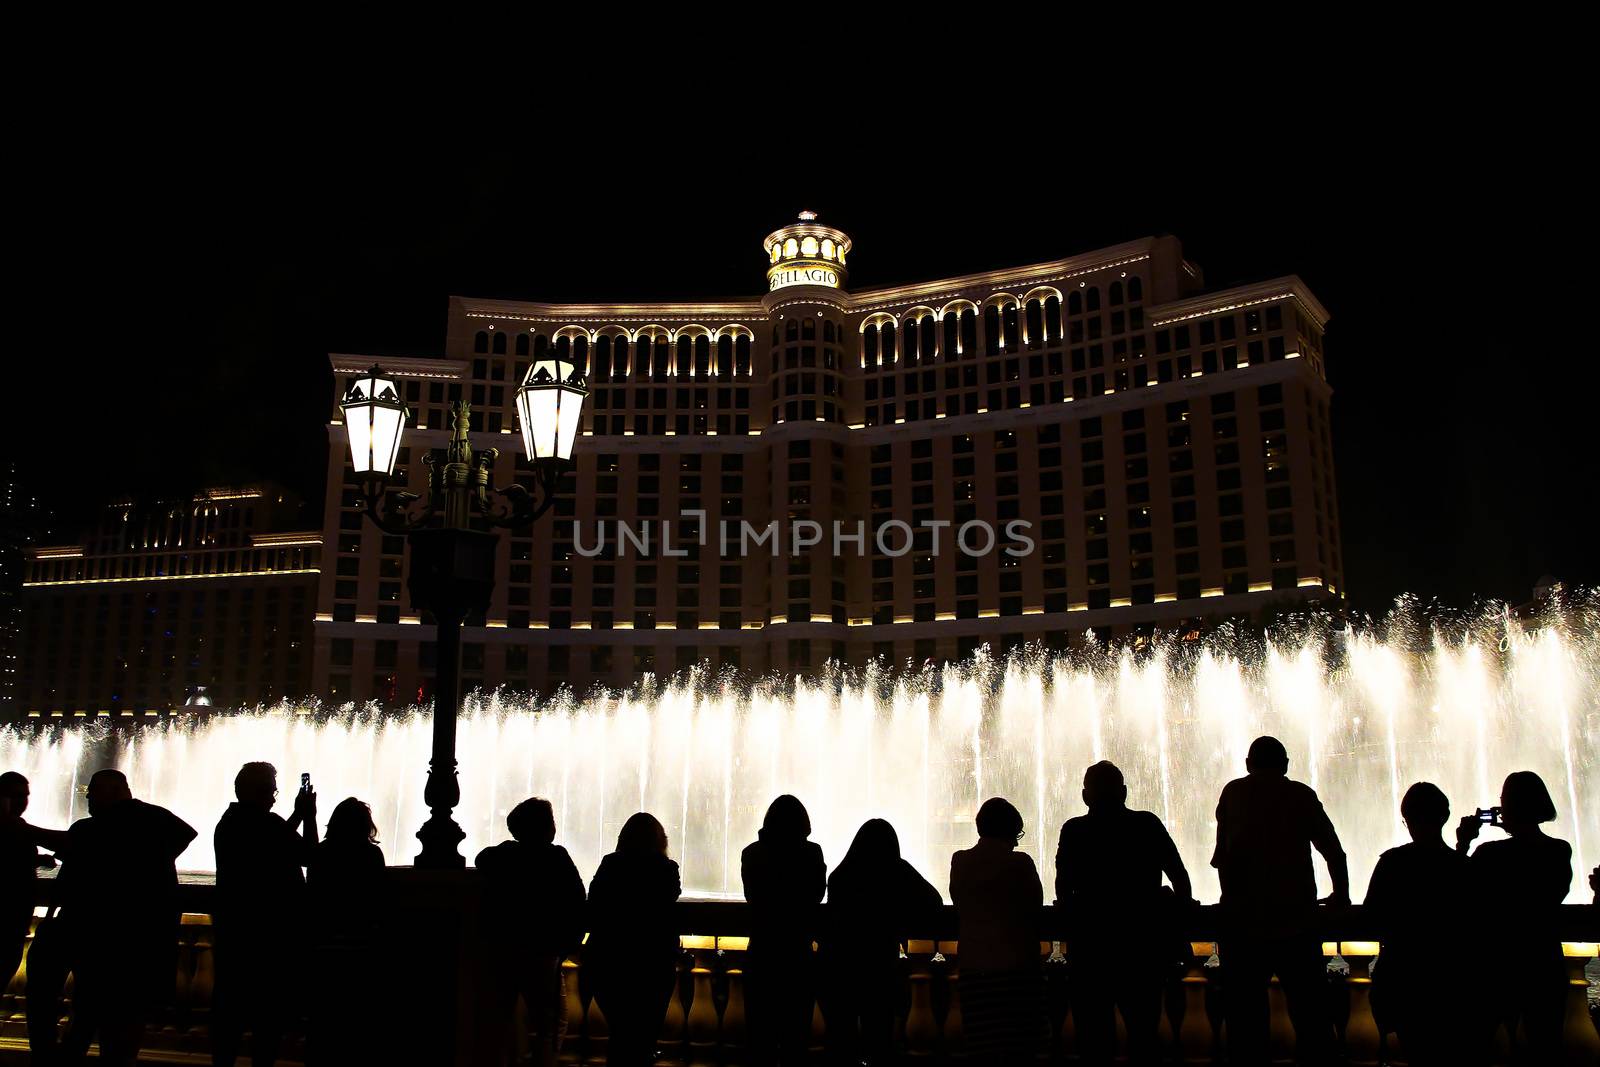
(22, 523)
(200, 602)
(1168, 446)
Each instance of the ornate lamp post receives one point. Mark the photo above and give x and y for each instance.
(452, 543)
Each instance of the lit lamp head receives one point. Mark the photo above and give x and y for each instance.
(550, 406)
(375, 418)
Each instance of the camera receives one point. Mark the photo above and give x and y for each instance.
(305, 783)
(1490, 816)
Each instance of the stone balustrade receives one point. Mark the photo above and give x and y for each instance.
(432, 925)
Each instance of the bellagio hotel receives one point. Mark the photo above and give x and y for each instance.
(1168, 447)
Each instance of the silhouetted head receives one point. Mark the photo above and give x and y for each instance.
(875, 844)
(14, 793)
(107, 789)
(1525, 802)
(533, 822)
(1267, 756)
(351, 822)
(256, 785)
(787, 820)
(1425, 809)
(998, 819)
(643, 833)
(1103, 786)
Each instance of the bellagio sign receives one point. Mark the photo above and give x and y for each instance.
(802, 274)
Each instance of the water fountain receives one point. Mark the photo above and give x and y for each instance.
(1362, 716)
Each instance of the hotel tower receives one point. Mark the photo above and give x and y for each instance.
(1143, 454)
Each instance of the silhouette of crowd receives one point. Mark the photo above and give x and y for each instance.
(283, 896)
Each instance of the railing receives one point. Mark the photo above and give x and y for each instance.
(705, 1024)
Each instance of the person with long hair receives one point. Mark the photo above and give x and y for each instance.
(872, 897)
(1518, 884)
(999, 901)
(784, 878)
(630, 959)
(345, 880)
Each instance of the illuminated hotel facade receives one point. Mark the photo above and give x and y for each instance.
(1168, 448)
(172, 606)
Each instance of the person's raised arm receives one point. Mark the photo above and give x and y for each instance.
(53, 840)
(305, 815)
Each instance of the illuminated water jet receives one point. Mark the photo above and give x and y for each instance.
(1381, 710)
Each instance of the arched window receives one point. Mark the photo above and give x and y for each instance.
(1052, 320)
(702, 356)
(480, 341)
(580, 354)
(869, 347)
(952, 336)
(910, 344)
(564, 349)
(685, 355)
(1114, 294)
(1075, 302)
(661, 364)
(969, 333)
(991, 330)
(1035, 333)
(499, 343)
(541, 347)
(827, 329)
(724, 358)
(1091, 298)
(886, 338)
(930, 339)
(742, 356)
(1135, 289)
(791, 329)
(619, 358)
(808, 329)
(602, 358)
(522, 344)
(1008, 322)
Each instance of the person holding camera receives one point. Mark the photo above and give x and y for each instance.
(259, 920)
(1521, 881)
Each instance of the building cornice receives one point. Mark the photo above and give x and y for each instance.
(999, 280)
(407, 366)
(1289, 287)
(605, 314)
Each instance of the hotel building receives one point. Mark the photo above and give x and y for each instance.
(1168, 447)
(172, 606)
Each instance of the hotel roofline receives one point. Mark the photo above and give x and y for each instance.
(644, 314)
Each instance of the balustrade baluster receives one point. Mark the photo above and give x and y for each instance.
(1197, 1037)
(703, 1022)
(922, 1028)
(675, 1023)
(1578, 1030)
(571, 1050)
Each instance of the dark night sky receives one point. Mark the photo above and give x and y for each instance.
(178, 306)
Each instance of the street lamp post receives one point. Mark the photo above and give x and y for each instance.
(451, 537)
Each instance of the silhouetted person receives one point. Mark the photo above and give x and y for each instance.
(259, 921)
(1122, 923)
(346, 883)
(533, 906)
(874, 896)
(1267, 826)
(1517, 886)
(630, 959)
(1415, 902)
(784, 878)
(119, 892)
(19, 859)
(999, 902)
